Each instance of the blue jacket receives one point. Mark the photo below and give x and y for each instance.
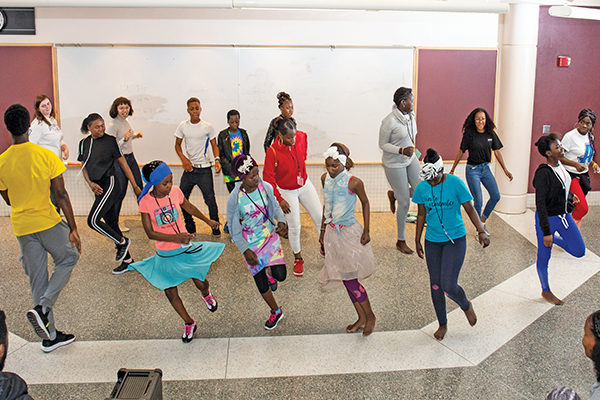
(233, 214)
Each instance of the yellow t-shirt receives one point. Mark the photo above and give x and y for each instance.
(25, 171)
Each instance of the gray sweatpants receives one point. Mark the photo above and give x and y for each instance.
(403, 181)
(34, 256)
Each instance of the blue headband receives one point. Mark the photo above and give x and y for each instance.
(156, 177)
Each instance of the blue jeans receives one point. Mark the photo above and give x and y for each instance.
(477, 175)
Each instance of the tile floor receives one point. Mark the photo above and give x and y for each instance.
(520, 348)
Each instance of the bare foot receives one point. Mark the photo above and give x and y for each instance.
(401, 245)
(471, 316)
(551, 298)
(392, 199)
(441, 332)
(359, 324)
(369, 325)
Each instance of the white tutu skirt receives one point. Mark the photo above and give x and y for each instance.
(345, 257)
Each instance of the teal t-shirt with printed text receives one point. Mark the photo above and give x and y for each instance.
(443, 203)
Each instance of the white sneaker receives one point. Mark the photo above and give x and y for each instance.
(123, 228)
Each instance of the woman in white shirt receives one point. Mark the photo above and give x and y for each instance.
(44, 129)
(579, 155)
(120, 128)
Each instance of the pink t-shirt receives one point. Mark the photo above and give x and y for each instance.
(165, 215)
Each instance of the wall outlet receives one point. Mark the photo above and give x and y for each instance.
(545, 129)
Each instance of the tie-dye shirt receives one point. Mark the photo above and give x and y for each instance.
(258, 230)
(237, 148)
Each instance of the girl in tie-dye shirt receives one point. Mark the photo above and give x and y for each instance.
(252, 212)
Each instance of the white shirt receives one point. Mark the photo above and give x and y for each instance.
(48, 136)
(577, 148)
(196, 138)
(563, 175)
(117, 128)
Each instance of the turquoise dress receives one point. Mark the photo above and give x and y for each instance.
(170, 268)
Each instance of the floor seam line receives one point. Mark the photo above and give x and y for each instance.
(227, 358)
(452, 350)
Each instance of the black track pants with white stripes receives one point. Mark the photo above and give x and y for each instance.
(103, 216)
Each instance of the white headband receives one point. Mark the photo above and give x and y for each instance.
(430, 170)
(335, 154)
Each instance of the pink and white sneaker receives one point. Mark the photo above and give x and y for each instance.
(272, 281)
(211, 302)
(188, 332)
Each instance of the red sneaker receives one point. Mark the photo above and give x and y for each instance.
(299, 267)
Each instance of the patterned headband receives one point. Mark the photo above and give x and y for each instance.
(243, 164)
(334, 153)
(430, 170)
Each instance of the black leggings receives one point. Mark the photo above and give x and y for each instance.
(103, 217)
(262, 283)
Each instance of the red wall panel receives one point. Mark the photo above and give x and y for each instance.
(25, 72)
(560, 93)
(451, 83)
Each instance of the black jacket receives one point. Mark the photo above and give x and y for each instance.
(550, 198)
(13, 387)
(225, 149)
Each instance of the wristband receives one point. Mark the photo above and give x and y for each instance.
(217, 159)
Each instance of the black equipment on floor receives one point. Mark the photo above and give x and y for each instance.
(138, 384)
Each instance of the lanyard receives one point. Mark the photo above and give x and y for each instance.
(295, 158)
(410, 129)
(173, 224)
(257, 206)
(440, 212)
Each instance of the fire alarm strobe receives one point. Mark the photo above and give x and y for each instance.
(563, 61)
(2, 20)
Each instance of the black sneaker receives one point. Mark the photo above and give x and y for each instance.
(122, 268)
(39, 321)
(62, 339)
(274, 319)
(216, 232)
(122, 250)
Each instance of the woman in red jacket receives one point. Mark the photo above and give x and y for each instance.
(285, 170)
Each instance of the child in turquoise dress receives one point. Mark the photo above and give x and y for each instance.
(345, 244)
(177, 259)
(251, 213)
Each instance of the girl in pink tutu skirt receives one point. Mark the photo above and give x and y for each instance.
(344, 242)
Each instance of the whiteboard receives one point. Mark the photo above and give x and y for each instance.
(339, 94)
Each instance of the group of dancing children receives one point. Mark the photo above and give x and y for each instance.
(256, 223)
(262, 211)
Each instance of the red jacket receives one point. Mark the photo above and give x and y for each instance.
(284, 164)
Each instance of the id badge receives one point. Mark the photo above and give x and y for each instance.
(300, 180)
